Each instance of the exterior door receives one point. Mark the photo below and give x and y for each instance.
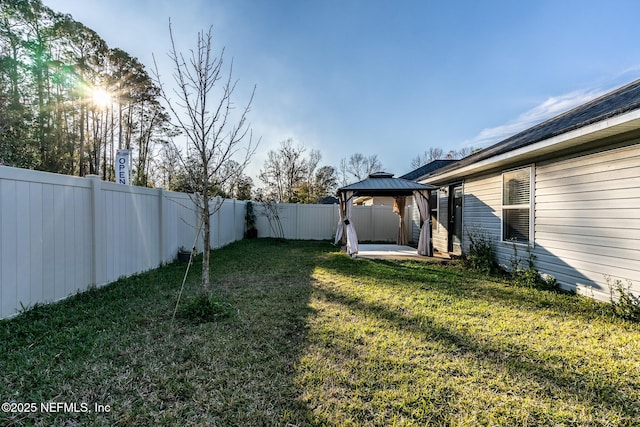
(455, 218)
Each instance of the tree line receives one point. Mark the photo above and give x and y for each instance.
(437, 153)
(290, 175)
(68, 101)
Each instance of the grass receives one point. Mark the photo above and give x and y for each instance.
(317, 338)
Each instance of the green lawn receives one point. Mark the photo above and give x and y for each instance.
(318, 338)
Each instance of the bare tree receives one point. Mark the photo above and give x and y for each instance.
(239, 185)
(325, 182)
(312, 163)
(271, 211)
(215, 136)
(464, 152)
(284, 171)
(168, 165)
(433, 153)
(437, 153)
(358, 167)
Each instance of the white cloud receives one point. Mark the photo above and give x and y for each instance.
(551, 107)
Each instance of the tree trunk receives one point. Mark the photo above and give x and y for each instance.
(105, 128)
(213, 141)
(82, 171)
(119, 123)
(206, 284)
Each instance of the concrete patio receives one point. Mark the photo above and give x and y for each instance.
(391, 251)
(386, 250)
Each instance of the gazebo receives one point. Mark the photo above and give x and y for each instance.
(384, 184)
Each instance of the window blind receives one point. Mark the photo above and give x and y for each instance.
(516, 225)
(517, 187)
(516, 205)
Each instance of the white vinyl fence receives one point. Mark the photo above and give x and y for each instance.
(319, 222)
(61, 234)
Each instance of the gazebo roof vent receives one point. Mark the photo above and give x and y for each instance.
(380, 175)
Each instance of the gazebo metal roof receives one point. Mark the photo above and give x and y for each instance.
(384, 184)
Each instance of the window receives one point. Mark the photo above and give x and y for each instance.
(517, 203)
(433, 205)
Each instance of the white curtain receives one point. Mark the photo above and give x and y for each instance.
(346, 224)
(424, 243)
(399, 208)
(340, 228)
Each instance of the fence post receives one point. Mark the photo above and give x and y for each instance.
(235, 220)
(161, 226)
(297, 205)
(372, 216)
(220, 209)
(234, 224)
(98, 267)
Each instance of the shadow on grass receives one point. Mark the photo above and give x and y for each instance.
(113, 346)
(595, 389)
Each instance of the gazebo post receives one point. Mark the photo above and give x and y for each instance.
(343, 210)
(399, 205)
(425, 246)
(346, 232)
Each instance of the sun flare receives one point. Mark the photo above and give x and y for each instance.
(101, 97)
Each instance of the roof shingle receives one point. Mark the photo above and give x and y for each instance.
(614, 103)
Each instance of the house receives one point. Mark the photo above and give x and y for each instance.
(328, 200)
(566, 192)
(373, 201)
(415, 175)
(427, 169)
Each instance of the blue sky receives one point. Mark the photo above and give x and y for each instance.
(390, 78)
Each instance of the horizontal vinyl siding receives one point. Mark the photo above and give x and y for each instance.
(588, 220)
(481, 210)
